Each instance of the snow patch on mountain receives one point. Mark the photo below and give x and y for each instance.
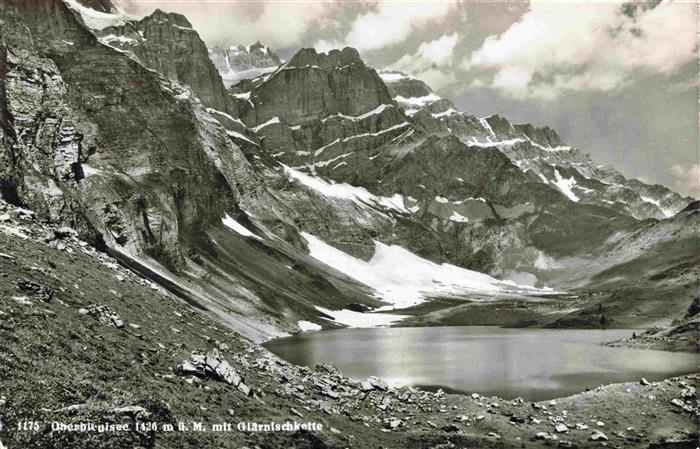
(456, 216)
(392, 77)
(402, 278)
(487, 126)
(667, 213)
(111, 38)
(240, 136)
(565, 185)
(489, 144)
(550, 149)
(239, 228)
(357, 195)
(446, 113)
(411, 105)
(308, 326)
(354, 319)
(653, 201)
(378, 110)
(98, 20)
(357, 136)
(272, 121)
(231, 78)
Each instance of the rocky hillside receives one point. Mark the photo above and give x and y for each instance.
(77, 152)
(242, 62)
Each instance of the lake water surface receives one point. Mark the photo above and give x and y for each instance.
(535, 364)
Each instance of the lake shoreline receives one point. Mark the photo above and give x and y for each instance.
(535, 364)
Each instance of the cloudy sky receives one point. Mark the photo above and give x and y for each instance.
(617, 80)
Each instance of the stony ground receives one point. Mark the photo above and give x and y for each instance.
(84, 340)
(682, 337)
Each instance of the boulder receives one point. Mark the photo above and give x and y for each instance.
(220, 368)
(216, 367)
(65, 232)
(32, 288)
(189, 368)
(243, 388)
(103, 314)
(330, 369)
(597, 435)
(378, 383)
(131, 410)
(545, 436)
(366, 385)
(561, 428)
(395, 423)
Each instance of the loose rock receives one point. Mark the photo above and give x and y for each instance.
(597, 435)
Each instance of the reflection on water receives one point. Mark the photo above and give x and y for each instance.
(534, 364)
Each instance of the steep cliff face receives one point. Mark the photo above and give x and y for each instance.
(97, 129)
(167, 43)
(311, 86)
(138, 166)
(242, 62)
(326, 113)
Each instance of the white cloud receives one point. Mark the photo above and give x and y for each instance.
(278, 24)
(557, 47)
(324, 46)
(389, 23)
(688, 178)
(437, 52)
(437, 78)
(431, 62)
(285, 23)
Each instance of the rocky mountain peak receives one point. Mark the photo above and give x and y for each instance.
(258, 46)
(410, 93)
(160, 16)
(241, 62)
(167, 43)
(333, 59)
(545, 135)
(500, 125)
(313, 86)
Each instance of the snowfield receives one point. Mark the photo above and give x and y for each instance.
(308, 326)
(402, 278)
(98, 20)
(357, 319)
(565, 185)
(239, 228)
(357, 195)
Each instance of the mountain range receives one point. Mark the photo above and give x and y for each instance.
(165, 208)
(271, 192)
